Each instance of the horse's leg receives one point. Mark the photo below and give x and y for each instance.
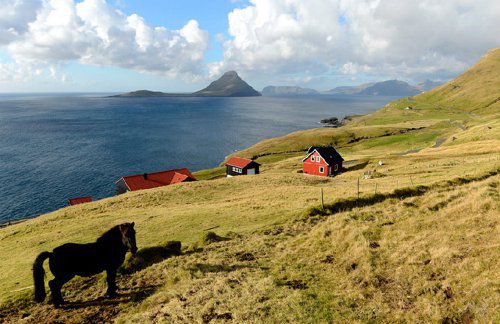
(56, 286)
(111, 279)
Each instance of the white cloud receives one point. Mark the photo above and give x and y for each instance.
(53, 32)
(11, 73)
(412, 38)
(14, 72)
(268, 40)
(15, 16)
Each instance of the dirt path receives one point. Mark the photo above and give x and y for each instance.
(462, 127)
(439, 142)
(408, 152)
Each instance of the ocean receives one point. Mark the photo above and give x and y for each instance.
(58, 146)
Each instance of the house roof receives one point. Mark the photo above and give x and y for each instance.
(79, 200)
(328, 153)
(239, 162)
(157, 179)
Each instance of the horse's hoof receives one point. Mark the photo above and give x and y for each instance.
(111, 294)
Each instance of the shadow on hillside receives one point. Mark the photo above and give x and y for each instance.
(348, 204)
(207, 267)
(133, 295)
(357, 166)
(146, 257)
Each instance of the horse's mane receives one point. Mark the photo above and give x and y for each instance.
(109, 235)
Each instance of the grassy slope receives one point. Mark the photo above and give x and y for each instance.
(470, 92)
(288, 280)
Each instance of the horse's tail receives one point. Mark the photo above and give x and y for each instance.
(39, 276)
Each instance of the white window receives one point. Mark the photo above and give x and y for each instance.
(336, 167)
(321, 169)
(312, 158)
(318, 159)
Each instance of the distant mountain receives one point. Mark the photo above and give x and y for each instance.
(228, 85)
(390, 88)
(384, 88)
(231, 85)
(428, 85)
(287, 91)
(349, 89)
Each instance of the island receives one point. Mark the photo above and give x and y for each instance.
(384, 88)
(228, 85)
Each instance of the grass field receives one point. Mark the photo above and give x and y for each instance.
(399, 253)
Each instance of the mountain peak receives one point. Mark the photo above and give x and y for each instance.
(228, 85)
(231, 73)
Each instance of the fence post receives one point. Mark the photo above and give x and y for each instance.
(375, 188)
(411, 181)
(322, 201)
(358, 187)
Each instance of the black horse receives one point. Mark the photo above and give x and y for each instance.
(69, 260)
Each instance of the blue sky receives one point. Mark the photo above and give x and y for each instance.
(123, 45)
(173, 14)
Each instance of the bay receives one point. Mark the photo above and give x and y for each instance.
(58, 146)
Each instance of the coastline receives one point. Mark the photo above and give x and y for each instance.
(345, 120)
(17, 221)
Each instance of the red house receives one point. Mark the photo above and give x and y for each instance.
(153, 180)
(79, 200)
(322, 161)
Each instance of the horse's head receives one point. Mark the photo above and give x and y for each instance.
(128, 236)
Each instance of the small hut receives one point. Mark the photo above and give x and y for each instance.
(241, 166)
(79, 200)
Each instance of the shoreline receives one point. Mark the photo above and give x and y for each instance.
(16, 221)
(345, 120)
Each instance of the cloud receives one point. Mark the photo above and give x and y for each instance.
(412, 38)
(15, 16)
(267, 39)
(54, 32)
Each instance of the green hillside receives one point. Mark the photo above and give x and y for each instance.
(420, 244)
(473, 91)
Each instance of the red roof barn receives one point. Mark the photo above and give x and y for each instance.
(322, 161)
(153, 180)
(79, 200)
(241, 166)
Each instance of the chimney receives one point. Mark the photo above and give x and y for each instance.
(145, 175)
